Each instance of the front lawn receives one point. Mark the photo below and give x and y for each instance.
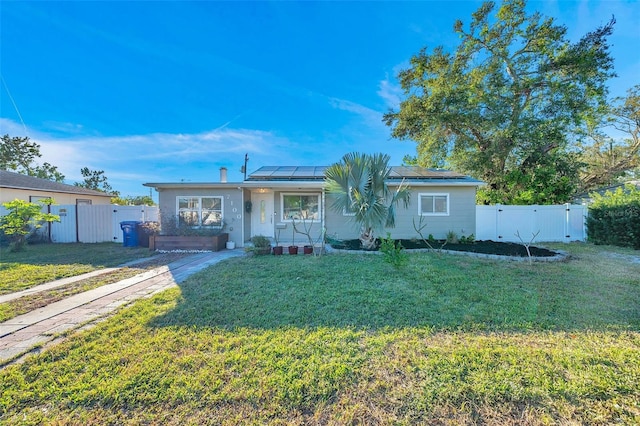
(348, 339)
(31, 302)
(40, 263)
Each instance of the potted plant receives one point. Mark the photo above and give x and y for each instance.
(293, 248)
(261, 244)
(277, 249)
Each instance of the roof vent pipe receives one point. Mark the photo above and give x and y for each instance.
(223, 174)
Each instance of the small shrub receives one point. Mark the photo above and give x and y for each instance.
(261, 245)
(260, 241)
(393, 252)
(468, 240)
(171, 226)
(452, 238)
(151, 228)
(23, 219)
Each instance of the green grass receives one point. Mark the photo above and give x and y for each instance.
(351, 340)
(40, 263)
(40, 299)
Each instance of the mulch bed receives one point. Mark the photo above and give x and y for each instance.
(485, 247)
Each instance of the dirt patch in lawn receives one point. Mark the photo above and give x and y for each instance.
(484, 247)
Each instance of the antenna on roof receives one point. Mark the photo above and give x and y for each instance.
(243, 169)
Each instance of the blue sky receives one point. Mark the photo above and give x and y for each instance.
(172, 91)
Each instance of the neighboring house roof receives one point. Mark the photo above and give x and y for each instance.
(19, 181)
(585, 197)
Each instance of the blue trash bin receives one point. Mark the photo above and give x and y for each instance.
(129, 233)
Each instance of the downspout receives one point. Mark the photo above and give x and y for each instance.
(77, 231)
(323, 228)
(242, 209)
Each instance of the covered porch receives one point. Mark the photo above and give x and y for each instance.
(287, 215)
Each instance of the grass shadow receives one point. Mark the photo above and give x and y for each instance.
(96, 255)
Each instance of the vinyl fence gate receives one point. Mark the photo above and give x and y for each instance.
(93, 223)
(557, 223)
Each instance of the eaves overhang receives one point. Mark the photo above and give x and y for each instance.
(61, 191)
(300, 184)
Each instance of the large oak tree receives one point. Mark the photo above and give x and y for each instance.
(607, 158)
(503, 106)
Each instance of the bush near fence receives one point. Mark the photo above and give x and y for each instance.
(614, 218)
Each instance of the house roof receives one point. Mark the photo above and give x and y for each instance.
(317, 173)
(18, 181)
(313, 177)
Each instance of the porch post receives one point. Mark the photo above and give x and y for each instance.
(322, 217)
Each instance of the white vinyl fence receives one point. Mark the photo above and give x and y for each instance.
(561, 223)
(564, 223)
(93, 223)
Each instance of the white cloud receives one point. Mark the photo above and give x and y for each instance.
(370, 116)
(391, 93)
(131, 160)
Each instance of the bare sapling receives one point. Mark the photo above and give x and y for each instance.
(306, 231)
(527, 245)
(419, 228)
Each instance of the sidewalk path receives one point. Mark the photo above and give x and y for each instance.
(64, 281)
(32, 330)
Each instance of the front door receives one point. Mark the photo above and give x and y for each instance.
(262, 214)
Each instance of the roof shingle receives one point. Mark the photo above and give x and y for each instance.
(18, 181)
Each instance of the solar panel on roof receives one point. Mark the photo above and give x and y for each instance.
(317, 172)
(303, 171)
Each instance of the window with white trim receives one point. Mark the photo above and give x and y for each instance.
(348, 211)
(432, 204)
(200, 211)
(300, 207)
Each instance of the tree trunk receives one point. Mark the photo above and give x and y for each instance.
(367, 240)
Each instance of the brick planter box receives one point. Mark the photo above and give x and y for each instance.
(188, 242)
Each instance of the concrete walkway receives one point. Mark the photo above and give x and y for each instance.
(64, 281)
(31, 331)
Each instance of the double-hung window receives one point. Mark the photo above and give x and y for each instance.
(431, 204)
(200, 211)
(348, 211)
(300, 207)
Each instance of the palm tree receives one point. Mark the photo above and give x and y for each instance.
(358, 183)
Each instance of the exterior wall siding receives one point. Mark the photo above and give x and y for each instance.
(10, 194)
(232, 214)
(461, 218)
